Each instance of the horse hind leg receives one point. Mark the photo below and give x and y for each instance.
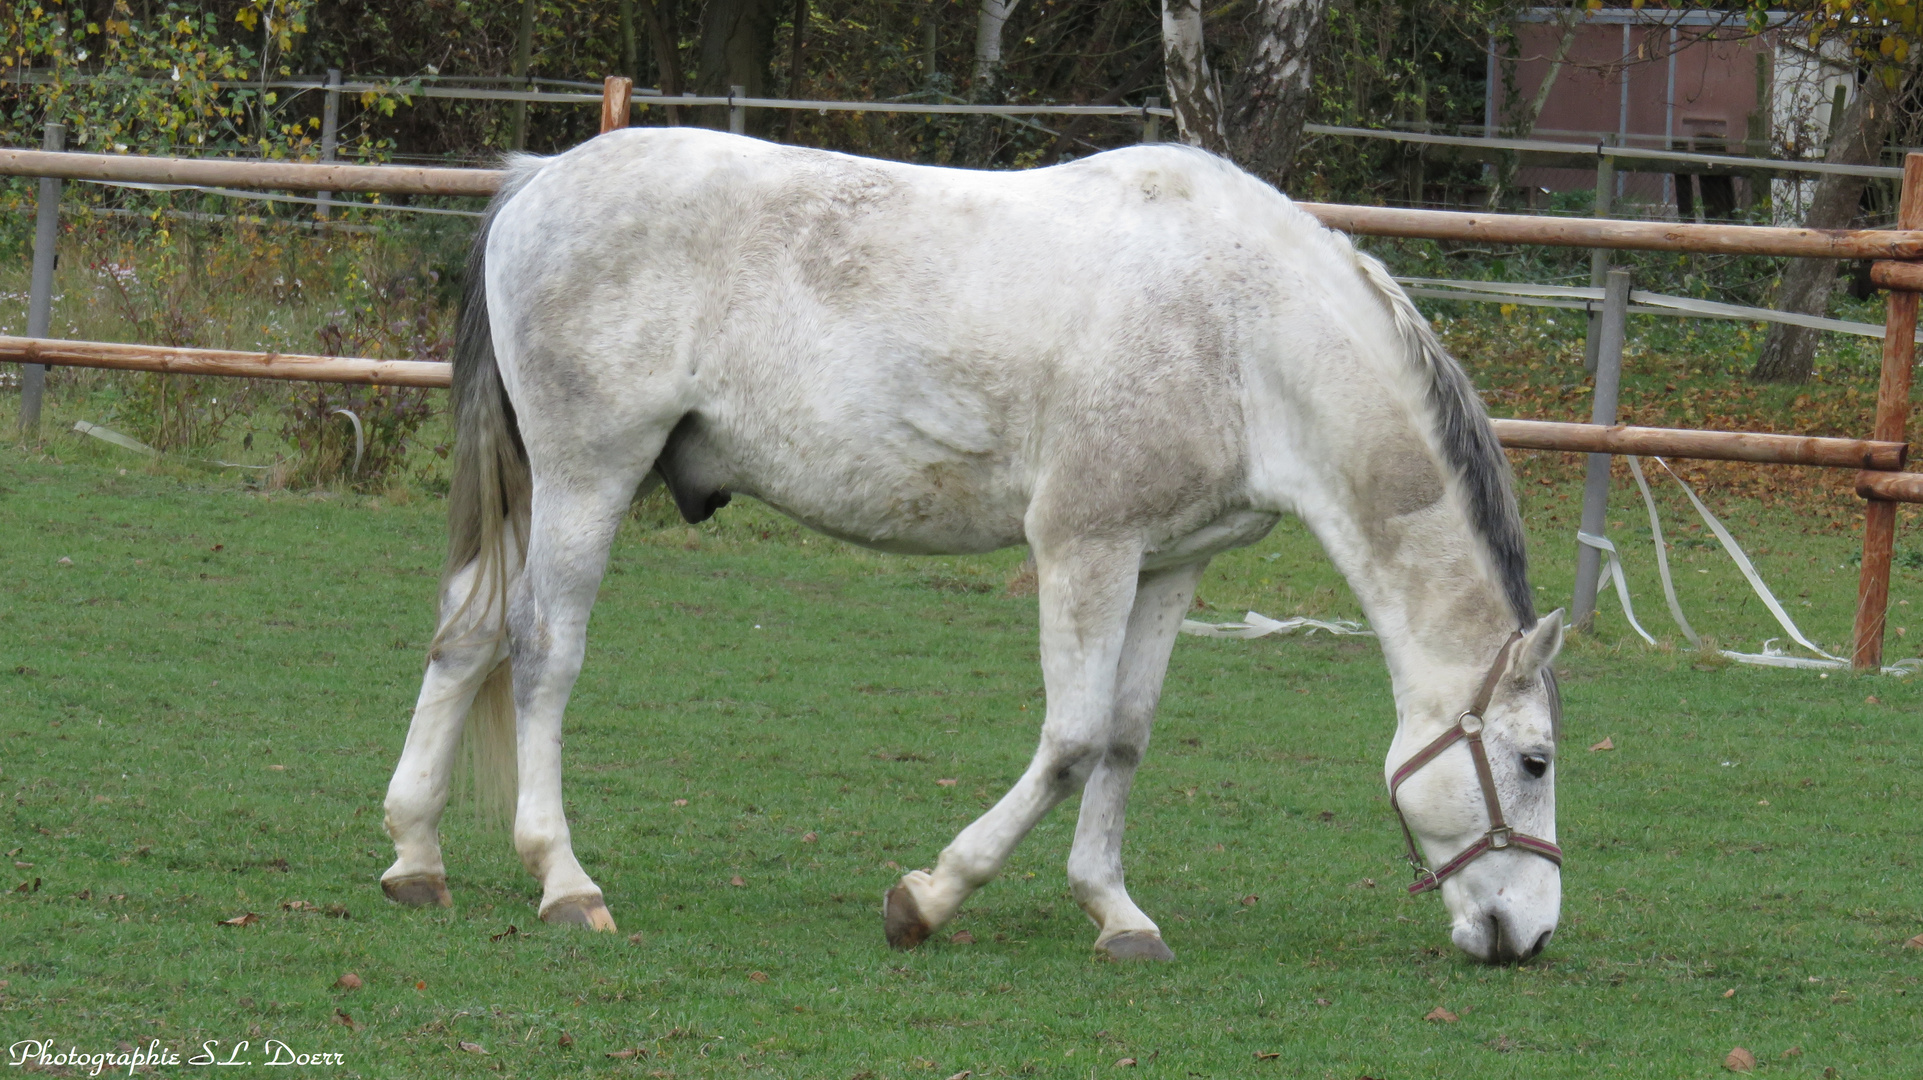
(1162, 598)
(1087, 590)
(573, 526)
(463, 692)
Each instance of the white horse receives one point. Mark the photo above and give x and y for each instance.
(1129, 363)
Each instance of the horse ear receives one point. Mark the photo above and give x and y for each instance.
(1540, 645)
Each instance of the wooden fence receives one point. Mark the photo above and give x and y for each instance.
(1878, 459)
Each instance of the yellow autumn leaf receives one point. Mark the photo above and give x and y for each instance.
(247, 17)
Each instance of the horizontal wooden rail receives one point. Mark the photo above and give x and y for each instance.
(1368, 220)
(1890, 486)
(1608, 233)
(231, 172)
(1516, 434)
(1703, 445)
(1900, 276)
(246, 365)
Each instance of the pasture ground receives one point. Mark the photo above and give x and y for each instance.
(200, 713)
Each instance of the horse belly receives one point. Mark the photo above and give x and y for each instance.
(1237, 528)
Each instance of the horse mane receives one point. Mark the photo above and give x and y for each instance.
(1466, 440)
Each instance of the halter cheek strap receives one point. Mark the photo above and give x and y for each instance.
(1468, 728)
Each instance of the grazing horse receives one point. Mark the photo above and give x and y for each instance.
(1130, 363)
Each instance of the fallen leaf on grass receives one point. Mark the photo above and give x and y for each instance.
(1794, 1051)
(809, 838)
(758, 976)
(509, 932)
(961, 937)
(472, 1048)
(420, 985)
(945, 782)
(737, 882)
(298, 905)
(680, 802)
(1730, 993)
(1250, 900)
(349, 981)
(1740, 1060)
(963, 1075)
(345, 1021)
(1321, 1001)
(244, 919)
(28, 886)
(1606, 744)
(1872, 700)
(564, 1041)
(1122, 1063)
(1914, 943)
(1442, 1014)
(637, 938)
(1267, 1055)
(630, 1052)
(336, 911)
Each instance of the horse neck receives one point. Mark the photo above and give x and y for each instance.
(1422, 573)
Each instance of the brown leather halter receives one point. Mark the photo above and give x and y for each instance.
(1468, 728)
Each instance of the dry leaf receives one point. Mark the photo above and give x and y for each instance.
(1872, 700)
(1267, 1055)
(473, 1048)
(758, 976)
(277, 768)
(1914, 943)
(637, 938)
(298, 905)
(244, 919)
(564, 1041)
(1122, 1063)
(1442, 1014)
(630, 1052)
(1762, 802)
(963, 1075)
(1740, 1060)
(18, 865)
(509, 932)
(336, 911)
(1321, 1001)
(681, 802)
(345, 1020)
(809, 838)
(737, 882)
(961, 937)
(1250, 900)
(349, 981)
(1794, 1051)
(1606, 744)
(946, 782)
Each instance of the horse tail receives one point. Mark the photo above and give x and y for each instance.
(1466, 439)
(488, 504)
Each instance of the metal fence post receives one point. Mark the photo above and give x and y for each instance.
(1595, 489)
(46, 235)
(330, 137)
(1151, 123)
(737, 114)
(1599, 257)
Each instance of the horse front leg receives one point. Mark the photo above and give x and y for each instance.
(573, 527)
(1162, 598)
(1087, 589)
(469, 644)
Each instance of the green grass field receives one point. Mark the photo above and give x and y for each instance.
(200, 712)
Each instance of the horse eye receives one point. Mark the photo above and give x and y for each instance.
(1535, 765)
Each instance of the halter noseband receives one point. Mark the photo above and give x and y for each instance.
(1468, 728)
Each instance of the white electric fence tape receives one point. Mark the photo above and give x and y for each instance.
(1772, 654)
(1255, 625)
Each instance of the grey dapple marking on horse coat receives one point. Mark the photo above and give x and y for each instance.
(1130, 363)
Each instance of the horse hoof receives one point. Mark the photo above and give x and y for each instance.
(592, 914)
(421, 890)
(901, 919)
(1136, 945)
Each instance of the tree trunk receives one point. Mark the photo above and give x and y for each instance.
(523, 56)
(1525, 122)
(737, 46)
(989, 21)
(630, 55)
(1191, 89)
(1270, 100)
(1789, 352)
(663, 17)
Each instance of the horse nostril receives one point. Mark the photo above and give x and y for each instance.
(1541, 944)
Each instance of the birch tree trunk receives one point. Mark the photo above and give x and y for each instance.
(1270, 100)
(1191, 89)
(1789, 352)
(989, 21)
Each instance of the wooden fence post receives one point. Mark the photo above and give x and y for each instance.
(617, 101)
(1892, 422)
(46, 238)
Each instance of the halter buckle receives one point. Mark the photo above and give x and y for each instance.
(1499, 837)
(1470, 722)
